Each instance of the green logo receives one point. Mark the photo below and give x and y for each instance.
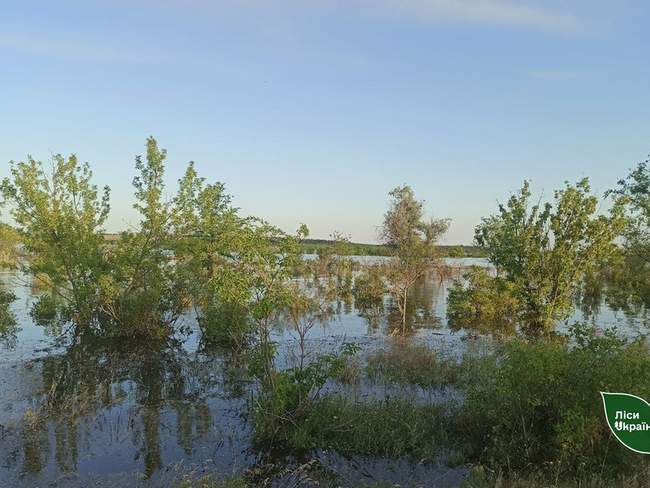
(628, 417)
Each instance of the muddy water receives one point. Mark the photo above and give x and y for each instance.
(109, 414)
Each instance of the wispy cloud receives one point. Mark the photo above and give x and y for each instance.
(79, 49)
(508, 13)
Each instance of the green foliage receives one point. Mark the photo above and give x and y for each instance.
(8, 324)
(226, 324)
(141, 296)
(413, 364)
(288, 395)
(46, 311)
(394, 427)
(537, 406)
(59, 218)
(628, 277)
(369, 288)
(544, 251)
(634, 194)
(128, 289)
(9, 242)
(413, 242)
(483, 304)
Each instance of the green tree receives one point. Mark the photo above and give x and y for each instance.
(142, 295)
(412, 240)
(59, 217)
(544, 251)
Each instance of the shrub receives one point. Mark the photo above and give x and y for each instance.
(394, 427)
(369, 289)
(7, 318)
(485, 304)
(287, 396)
(540, 408)
(226, 324)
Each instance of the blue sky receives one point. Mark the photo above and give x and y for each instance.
(312, 110)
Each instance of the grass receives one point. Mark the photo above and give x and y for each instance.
(210, 482)
(413, 364)
(394, 427)
(481, 478)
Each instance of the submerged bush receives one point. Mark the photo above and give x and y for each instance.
(288, 395)
(539, 406)
(8, 323)
(226, 324)
(369, 289)
(484, 304)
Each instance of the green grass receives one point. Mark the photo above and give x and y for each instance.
(482, 478)
(210, 482)
(395, 427)
(412, 364)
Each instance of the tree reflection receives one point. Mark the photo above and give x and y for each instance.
(87, 392)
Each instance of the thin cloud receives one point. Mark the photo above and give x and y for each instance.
(79, 49)
(521, 15)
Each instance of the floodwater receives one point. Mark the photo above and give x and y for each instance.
(108, 415)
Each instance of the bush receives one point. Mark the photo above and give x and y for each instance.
(369, 289)
(7, 318)
(46, 311)
(485, 305)
(226, 324)
(288, 395)
(540, 408)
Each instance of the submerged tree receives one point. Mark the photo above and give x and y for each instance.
(628, 276)
(544, 251)
(124, 289)
(412, 240)
(141, 296)
(60, 217)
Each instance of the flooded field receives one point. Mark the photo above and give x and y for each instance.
(116, 414)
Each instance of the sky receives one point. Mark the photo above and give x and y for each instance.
(313, 110)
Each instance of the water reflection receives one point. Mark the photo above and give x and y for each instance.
(101, 397)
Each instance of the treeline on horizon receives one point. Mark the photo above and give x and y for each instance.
(318, 246)
(322, 246)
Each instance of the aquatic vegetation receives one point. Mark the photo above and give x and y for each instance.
(369, 290)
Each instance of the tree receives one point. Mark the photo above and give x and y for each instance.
(628, 276)
(60, 217)
(412, 241)
(544, 251)
(142, 295)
